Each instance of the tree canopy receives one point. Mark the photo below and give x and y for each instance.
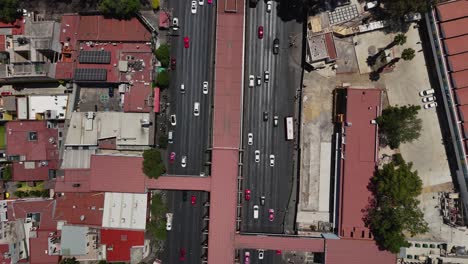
(395, 207)
(408, 54)
(162, 80)
(400, 39)
(121, 9)
(163, 54)
(8, 10)
(396, 9)
(153, 165)
(399, 125)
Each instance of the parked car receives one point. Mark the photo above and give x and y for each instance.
(186, 42)
(428, 99)
(172, 157)
(260, 32)
(257, 156)
(205, 87)
(426, 92)
(271, 215)
(193, 7)
(266, 76)
(173, 120)
(193, 200)
(272, 160)
(168, 221)
(250, 139)
(430, 105)
(184, 162)
(276, 46)
(247, 194)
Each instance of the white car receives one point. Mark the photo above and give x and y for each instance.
(168, 221)
(257, 156)
(205, 87)
(196, 109)
(194, 7)
(269, 6)
(255, 209)
(175, 22)
(428, 99)
(426, 92)
(272, 160)
(251, 81)
(250, 139)
(266, 76)
(261, 253)
(430, 105)
(275, 121)
(184, 162)
(173, 120)
(200, 2)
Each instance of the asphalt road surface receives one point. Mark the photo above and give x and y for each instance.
(277, 99)
(191, 133)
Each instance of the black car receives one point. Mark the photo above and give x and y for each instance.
(265, 116)
(184, 196)
(276, 46)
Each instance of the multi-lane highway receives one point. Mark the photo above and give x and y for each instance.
(276, 98)
(191, 134)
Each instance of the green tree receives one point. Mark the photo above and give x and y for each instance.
(399, 39)
(399, 125)
(35, 193)
(408, 54)
(157, 229)
(163, 140)
(395, 207)
(8, 10)
(158, 208)
(121, 9)
(69, 261)
(396, 9)
(153, 165)
(163, 54)
(7, 173)
(21, 194)
(162, 80)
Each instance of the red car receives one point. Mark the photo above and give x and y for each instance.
(186, 42)
(271, 215)
(172, 157)
(210, 1)
(247, 194)
(194, 200)
(247, 257)
(260, 32)
(173, 63)
(278, 252)
(182, 254)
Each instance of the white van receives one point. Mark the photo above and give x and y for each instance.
(255, 211)
(196, 109)
(182, 88)
(251, 81)
(170, 137)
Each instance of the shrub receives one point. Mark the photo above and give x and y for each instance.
(155, 4)
(162, 142)
(162, 80)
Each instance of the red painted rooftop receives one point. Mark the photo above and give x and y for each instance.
(461, 95)
(360, 157)
(4, 248)
(18, 209)
(226, 132)
(39, 249)
(17, 27)
(454, 28)
(458, 62)
(80, 208)
(460, 79)
(2, 43)
(352, 251)
(121, 241)
(72, 177)
(452, 10)
(456, 45)
(174, 182)
(463, 112)
(281, 243)
(137, 99)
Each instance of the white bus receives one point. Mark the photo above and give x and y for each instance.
(289, 128)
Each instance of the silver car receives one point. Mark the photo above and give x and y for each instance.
(257, 156)
(430, 105)
(428, 99)
(250, 139)
(194, 7)
(272, 160)
(184, 162)
(205, 87)
(426, 92)
(173, 120)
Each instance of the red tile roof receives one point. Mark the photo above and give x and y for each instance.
(2, 43)
(164, 19)
(117, 174)
(39, 247)
(454, 28)
(351, 251)
(174, 182)
(43, 149)
(73, 176)
(121, 241)
(358, 165)
(138, 98)
(461, 95)
(456, 45)
(18, 209)
(463, 112)
(17, 27)
(98, 28)
(80, 208)
(156, 103)
(460, 79)
(452, 10)
(64, 70)
(458, 62)
(4, 248)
